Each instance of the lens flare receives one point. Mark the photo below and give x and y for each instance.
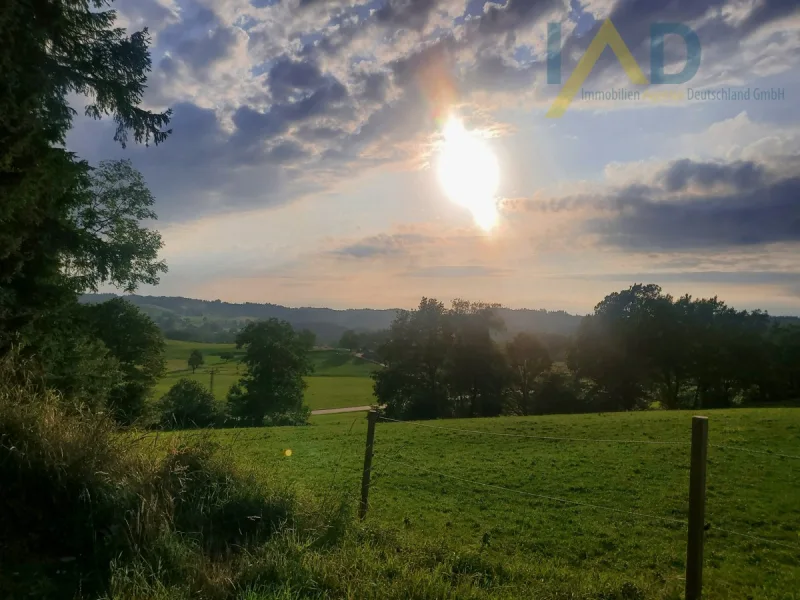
(468, 172)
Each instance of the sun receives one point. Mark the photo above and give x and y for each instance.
(469, 173)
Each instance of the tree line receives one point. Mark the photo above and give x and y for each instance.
(640, 348)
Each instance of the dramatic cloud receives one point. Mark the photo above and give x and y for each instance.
(741, 175)
(765, 215)
(691, 205)
(320, 88)
(383, 245)
(316, 122)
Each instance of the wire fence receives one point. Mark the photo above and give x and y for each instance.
(589, 440)
(573, 502)
(245, 436)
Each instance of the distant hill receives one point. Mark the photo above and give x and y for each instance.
(214, 320)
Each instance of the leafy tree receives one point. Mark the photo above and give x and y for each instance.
(784, 347)
(413, 383)
(187, 404)
(115, 248)
(442, 363)
(350, 340)
(272, 388)
(226, 356)
(641, 344)
(476, 368)
(75, 361)
(557, 391)
(610, 347)
(195, 360)
(308, 338)
(136, 343)
(527, 358)
(62, 232)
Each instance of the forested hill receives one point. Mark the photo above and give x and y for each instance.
(183, 318)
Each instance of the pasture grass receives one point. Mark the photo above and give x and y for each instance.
(180, 350)
(340, 379)
(339, 363)
(553, 542)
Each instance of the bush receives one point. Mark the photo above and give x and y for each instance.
(84, 506)
(61, 471)
(187, 404)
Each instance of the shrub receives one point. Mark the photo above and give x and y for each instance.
(85, 506)
(187, 404)
(61, 471)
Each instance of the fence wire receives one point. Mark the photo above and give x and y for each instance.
(535, 437)
(600, 507)
(755, 537)
(596, 440)
(568, 501)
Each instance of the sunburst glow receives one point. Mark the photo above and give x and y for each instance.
(469, 173)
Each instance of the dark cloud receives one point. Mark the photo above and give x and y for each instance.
(254, 127)
(201, 169)
(767, 214)
(767, 11)
(722, 277)
(318, 134)
(145, 13)
(516, 14)
(201, 52)
(199, 40)
(286, 151)
(382, 245)
(288, 77)
(495, 72)
(407, 70)
(413, 14)
(740, 175)
(321, 102)
(692, 205)
(375, 86)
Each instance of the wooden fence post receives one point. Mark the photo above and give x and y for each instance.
(697, 509)
(372, 418)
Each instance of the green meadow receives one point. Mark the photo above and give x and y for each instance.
(339, 379)
(563, 518)
(617, 513)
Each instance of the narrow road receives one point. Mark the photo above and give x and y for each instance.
(333, 411)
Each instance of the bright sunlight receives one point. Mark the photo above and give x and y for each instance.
(469, 173)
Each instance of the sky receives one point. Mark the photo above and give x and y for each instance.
(305, 162)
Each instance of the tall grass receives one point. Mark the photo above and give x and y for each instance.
(83, 503)
(89, 512)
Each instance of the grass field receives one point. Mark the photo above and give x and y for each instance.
(339, 380)
(558, 544)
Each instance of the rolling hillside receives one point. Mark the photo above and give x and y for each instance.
(217, 317)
